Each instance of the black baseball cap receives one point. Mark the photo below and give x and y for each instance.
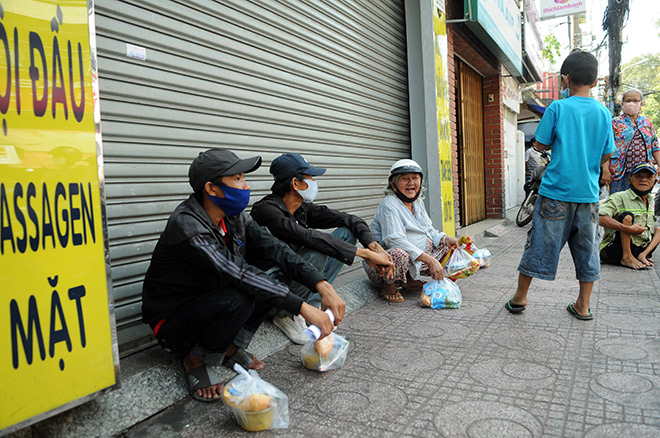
(215, 163)
(286, 166)
(644, 166)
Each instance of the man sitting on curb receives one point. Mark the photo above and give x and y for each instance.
(290, 215)
(203, 301)
(629, 222)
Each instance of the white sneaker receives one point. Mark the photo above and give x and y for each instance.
(293, 328)
(300, 321)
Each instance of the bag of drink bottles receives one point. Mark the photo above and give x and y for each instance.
(441, 294)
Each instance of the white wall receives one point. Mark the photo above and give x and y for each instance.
(514, 162)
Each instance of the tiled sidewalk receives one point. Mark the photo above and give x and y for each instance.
(478, 371)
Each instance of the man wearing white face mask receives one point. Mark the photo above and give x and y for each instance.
(290, 215)
(636, 143)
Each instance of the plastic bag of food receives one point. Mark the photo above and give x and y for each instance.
(256, 404)
(483, 257)
(441, 294)
(460, 264)
(467, 244)
(325, 355)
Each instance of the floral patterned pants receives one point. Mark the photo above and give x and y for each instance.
(402, 262)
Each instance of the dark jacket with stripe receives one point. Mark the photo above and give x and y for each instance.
(299, 229)
(192, 258)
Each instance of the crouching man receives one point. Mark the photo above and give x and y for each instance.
(202, 299)
(290, 213)
(629, 222)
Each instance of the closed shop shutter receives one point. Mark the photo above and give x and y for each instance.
(327, 79)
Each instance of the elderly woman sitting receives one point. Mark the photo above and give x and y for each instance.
(404, 229)
(636, 143)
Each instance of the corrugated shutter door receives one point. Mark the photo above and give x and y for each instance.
(324, 78)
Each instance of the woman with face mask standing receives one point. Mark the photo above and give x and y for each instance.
(636, 143)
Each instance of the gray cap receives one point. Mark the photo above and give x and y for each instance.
(215, 163)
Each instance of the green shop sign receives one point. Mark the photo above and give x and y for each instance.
(497, 24)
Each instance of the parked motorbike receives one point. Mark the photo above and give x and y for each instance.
(526, 211)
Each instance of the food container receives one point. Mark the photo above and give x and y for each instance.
(256, 404)
(332, 360)
(254, 421)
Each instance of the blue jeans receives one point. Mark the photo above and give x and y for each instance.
(553, 225)
(328, 267)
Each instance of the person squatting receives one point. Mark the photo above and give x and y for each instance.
(216, 274)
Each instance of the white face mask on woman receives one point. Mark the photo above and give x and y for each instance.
(311, 192)
(632, 108)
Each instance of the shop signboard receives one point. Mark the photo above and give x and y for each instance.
(533, 45)
(511, 96)
(561, 8)
(497, 24)
(57, 340)
(444, 123)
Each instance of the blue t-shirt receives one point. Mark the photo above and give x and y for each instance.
(579, 129)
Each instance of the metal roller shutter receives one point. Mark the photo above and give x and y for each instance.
(324, 78)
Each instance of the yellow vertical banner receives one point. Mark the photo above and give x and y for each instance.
(56, 322)
(442, 108)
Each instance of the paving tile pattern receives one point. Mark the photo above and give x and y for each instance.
(477, 371)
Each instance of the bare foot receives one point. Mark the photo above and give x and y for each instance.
(642, 258)
(211, 392)
(257, 364)
(411, 285)
(390, 294)
(632, 263)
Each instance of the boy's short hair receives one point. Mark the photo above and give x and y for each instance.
(581, 67)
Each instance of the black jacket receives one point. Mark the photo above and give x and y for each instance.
(298, 231)
(192, 258)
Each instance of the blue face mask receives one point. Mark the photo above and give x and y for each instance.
(234, 202)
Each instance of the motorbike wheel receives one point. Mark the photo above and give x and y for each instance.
(526, 211)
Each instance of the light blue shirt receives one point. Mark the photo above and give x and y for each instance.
(396, 227)
(579, 129)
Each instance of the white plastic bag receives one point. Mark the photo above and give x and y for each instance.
(483, 257)
(325, 355)
(441, 294)
(256, 404)
(460, 264)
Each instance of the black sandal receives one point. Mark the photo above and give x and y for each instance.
(514, 308)
(241, 357)
(199, 378)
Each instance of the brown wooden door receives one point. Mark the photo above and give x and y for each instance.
(471, 145)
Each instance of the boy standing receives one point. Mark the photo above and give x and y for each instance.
(579, 131)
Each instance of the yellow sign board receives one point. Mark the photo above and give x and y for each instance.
(444, 127)
(56, 323)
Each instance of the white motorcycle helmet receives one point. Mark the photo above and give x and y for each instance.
(406, 166)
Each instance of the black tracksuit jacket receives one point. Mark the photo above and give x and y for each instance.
(192, 257)
(299, 229)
